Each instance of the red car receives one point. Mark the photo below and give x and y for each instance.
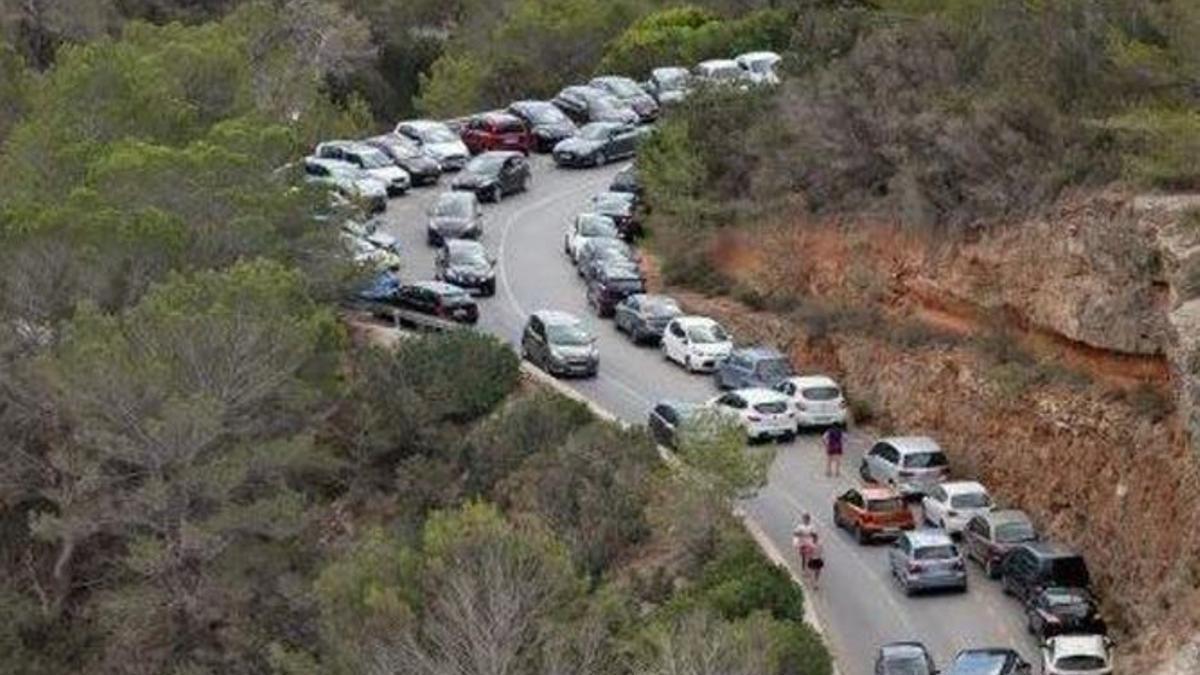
(497, 131)
(871, 512)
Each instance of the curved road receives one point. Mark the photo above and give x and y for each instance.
(858, 604)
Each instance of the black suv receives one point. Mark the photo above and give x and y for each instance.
(1029, 568)
(610, 285)
(466, 264)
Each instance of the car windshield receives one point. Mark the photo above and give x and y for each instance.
(939, 552)
(457, 299)
(980, 663)
(468, 255)
(374, 159)
(348, 172)
(1081, 662)
(970, 500)
(925, 460)
(906, 665)
(821, 393)
(707, 334)
(763, 64)
(436, 134)
(595, 132)
(1012, 533)
(1066, 597)
(597, 226)
(453, 206)
(660, 308)
(543, 113)
(571, 335)
(614, 202)
(776, 368)
(888, 505)
(404, 150)
(487, 165)
(1070, 572)
(623, 88)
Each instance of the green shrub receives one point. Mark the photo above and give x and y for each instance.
(741, 581)
(1160, 147)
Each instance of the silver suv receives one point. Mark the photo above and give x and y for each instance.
(927, 560)
(909, 464)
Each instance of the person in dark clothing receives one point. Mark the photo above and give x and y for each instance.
(833, 451)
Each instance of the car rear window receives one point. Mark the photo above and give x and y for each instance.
(771, 407)
(1012, 533)
(457, 300)
(907, 665)
(510, 127)
(1070, 572)
(1081, 662)
(889, 505)
(773, 368)
(625, 285)
(925, 460)
(939, 552)
(821, 393)
(972, 500)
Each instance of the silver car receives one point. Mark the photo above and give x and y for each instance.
(909, 464)
(924, 560)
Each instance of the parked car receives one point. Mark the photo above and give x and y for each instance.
(669, 85)
(588, 104)
(610, 285)
(423, 169)
(644, 317)
(872, 512)
(626, 180)
(367, 254)
(600, 252)
(497, 131)
(1059, 611)
(760, 67)
(923, 560)
(495, 174)
(817, 398)
(904, 658)
(753, 367)
(763, 413)
(438, 141)
(666, 420)
(348, 180)
(434, 298)
(597, 144)
(466, 264)
(1029, 568)
(455, 215)
(722, 73)
(953, 503)
(989, 661)
(584, 228)
(369, 232)
(560, 344)
(621, 207)
(1077, 655)
(546, 122)
(628, 92)
(910, 464)
(988, 537)
(370, 159)
(697, 343)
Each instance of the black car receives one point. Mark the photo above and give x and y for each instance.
(626, 180)
(434, 298)
(630, 93)
(622, 208)
(492, 175)
(644, 317)
(988, 537)
(424, 169)
(1029, 568)
(589, 104)
(904, 658)
(597, 144)
(666, 420)
(546, 122)
(466, 264)
(1058, 611)
(610, 284)
(560, 344)
(596, 253)
(989, 661)
(455, 215)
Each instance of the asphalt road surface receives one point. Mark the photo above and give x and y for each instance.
(858, 604)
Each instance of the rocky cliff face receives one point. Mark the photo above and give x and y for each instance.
(1053, 358)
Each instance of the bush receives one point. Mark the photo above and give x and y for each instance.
(741, 581)
(1160, 147)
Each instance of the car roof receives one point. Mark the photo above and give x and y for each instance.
(592, 215)
(353, 146)
(758, 352)
(616, 269)
(758, 56)
(655, 298)
(813, 381)
(928, 537)
(463, 244)
(877, 492)
(1079, 645)
(1001, 516)
(422, 124)
(556, 317)
(497, 116)
(613, 78)
(603, 125)
(907, 444)
(439, 287)
(910, 648)
(500, 154)
(759, 394)
(1050, 549)
(962, 487)
(717, 63)
(990, 654)
(329, 163)
(663, 70)
(693, 320)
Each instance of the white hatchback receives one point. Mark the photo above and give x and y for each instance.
(697, 343)
(1077, 655)
(951, 504)
(763, 413)
(818, 400)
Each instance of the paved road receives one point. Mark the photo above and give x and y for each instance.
(858, 604)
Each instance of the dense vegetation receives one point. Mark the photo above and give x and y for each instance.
(202, 472)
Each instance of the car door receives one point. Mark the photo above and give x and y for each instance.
(625, 314)
(934, 504)
(626, 140)
(510, 175)
(849, 507)
(973, 535)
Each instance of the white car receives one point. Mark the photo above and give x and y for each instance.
(348, 180)
(760, 67)
(951, 504)
(763, 413)
(369, 232)
(817, 398)
(697, 343)
(1077, 655)
(587, 226)
(371, 160)
(724, 72)
(367, 254)
(438, 141)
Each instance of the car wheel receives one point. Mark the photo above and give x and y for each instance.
(599, 159)
(490, 289)
(989, 568)
(687, 364)
(525, 183)
(837, 519)
(497, 194)
(861, 535)
(864, 472)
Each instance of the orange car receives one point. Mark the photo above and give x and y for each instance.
(871, 512)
